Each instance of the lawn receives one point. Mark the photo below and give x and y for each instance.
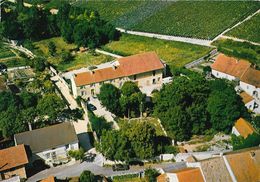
(249, 30)
(242, 50)
(153, 121)
(6, 53)
(174, 53)
(83, 59)
(2, 83)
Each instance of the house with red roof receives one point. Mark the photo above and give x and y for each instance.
(233, 69)
(12, 162)
(145, 69)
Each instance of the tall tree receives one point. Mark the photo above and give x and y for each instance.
(87, 176)
(109, 97)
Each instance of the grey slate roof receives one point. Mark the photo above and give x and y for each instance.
(47, 138)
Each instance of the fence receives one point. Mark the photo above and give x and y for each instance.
(200, 60)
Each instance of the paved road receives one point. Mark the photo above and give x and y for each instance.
(202, 42)
(62, 172)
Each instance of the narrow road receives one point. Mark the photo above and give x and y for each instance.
(61, 172)
(228, 29)
(202, 42)
(108, 53)
(239, 40)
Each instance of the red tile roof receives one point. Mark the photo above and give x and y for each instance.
(13, 157)
(243, 127)
(246, 97)
(49, 179)
(189, 174)
(128, 66)
(230, 65)
(251, 77)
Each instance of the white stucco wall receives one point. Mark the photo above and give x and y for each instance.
(235, 132)
(221, 75)
(142, 80)
(61, 152)
(250, 105)
(250, 89)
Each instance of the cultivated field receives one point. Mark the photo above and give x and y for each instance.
(174, 53)
(6, 53)
(79, 60)
(199, 19)
(191, 19)
(249, 30)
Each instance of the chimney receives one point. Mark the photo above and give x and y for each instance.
(114, 67)
(92, 72)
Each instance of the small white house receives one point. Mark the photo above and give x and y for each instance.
(242, 128)
(248, 101)
(250, 82)
(51, 143)
(229, 68)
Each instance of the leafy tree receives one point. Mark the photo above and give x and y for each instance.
(109, 98)
(52, 48)
(238, 142)
(132, 99)
(77, 154)
(114, 145)
(63, 13)
(224, 107)
(66, 57)
(28, 99)
(151, 174)
(11, 122)
(181, 106)
(39, 64)
(142, 137)
(8, 99)
(99, 123)
(50, 105)
(67, 29)
(87, 176)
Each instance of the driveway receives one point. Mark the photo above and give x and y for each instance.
(62, 172)
(101, 111)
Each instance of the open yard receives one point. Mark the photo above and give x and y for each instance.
(80, 59)
(174, 53)
(10, 59)
(153, 121)
(249, 30)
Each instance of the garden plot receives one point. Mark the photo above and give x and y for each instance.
(21, 74)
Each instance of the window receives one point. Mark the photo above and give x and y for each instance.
(217, 74)
(53, 155)
(67, 146)
(154, 81)
(154, 73)
(158, 79)
(47, 155)
(134, 77)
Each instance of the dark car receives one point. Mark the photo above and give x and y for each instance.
(91, 107)
(136, 163)
(120, 167)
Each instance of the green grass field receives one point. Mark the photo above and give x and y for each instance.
(83, 59)
(173, 53)
(249, 30)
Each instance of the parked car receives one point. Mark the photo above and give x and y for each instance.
(136, 162)
(120, 167)
(91, 107)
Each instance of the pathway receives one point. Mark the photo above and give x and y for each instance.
(228, 29)
(239, 40)
(202, 42)
(108, 53)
